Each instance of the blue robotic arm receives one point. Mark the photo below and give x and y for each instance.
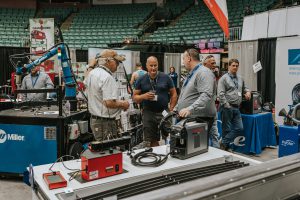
(61, 51)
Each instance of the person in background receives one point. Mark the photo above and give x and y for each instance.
(103, 96)
(248, 10)
(210, 63)
(36, 80)
(138, 73)
(231, 89)
(157, 93)
(173, 75)
(198, 91)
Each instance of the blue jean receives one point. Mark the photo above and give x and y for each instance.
(214, 135)
(232, 125)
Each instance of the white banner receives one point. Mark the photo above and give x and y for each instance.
(42, 39)
(287, 72)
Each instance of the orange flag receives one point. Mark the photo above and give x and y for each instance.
(219, 10)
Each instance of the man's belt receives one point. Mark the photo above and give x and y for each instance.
(235, 105)
(102, 118)
(154, 110)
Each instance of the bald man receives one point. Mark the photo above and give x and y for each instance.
(156, 91)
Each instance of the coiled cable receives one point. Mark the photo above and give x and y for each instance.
(157, 159)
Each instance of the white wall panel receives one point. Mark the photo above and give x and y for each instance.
(293, 21)
(248, 28)
(261, 25)
(277, 23)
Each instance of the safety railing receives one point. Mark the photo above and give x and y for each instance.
(235, 33)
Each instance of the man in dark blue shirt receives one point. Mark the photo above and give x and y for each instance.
(156, 91)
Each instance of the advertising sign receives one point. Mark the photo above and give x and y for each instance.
(287, 74)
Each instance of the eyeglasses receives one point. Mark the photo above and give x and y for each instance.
(117, 62)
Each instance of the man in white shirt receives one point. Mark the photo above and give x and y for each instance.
(103, 96)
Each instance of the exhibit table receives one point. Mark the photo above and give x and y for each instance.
(259, 133)
(288, 140)
(213, 156)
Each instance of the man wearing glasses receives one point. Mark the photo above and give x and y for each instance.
(156, 91)
(103, 96)
(198, 91)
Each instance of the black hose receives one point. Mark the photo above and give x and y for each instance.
(159, 159)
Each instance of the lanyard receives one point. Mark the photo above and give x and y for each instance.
(191, 75)
(105, 69)
(236, 83)
(153, 86)
(33, 83)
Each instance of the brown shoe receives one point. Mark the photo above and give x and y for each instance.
(225, 148)
(222, 146)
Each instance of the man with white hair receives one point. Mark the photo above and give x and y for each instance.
(210, 63)
(103, 96)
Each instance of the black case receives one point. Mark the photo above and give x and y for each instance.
(252, 106)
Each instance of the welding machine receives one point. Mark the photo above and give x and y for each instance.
(188, 138)
(95, 165)
(101, 160)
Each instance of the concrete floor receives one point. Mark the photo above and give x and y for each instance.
(15, 189)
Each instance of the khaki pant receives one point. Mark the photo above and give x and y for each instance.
(104, 129)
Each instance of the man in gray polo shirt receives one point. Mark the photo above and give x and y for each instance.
(103, 96)
(231, 88)
(198, 91)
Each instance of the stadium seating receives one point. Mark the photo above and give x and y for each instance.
(198, 23)
(195, 24)
(14, 26)
(59, 14)
(100, 25)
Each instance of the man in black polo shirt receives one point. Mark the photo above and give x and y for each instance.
(156, 91)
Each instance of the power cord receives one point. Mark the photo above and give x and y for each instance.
(62, 161)
(74, 172)
(158, 159)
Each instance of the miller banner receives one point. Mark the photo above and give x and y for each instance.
(287, 76)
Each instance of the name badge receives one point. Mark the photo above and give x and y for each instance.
(164, 113)
(240, 94)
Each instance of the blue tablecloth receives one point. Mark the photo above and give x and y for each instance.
(258, 131)
(288, 140)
